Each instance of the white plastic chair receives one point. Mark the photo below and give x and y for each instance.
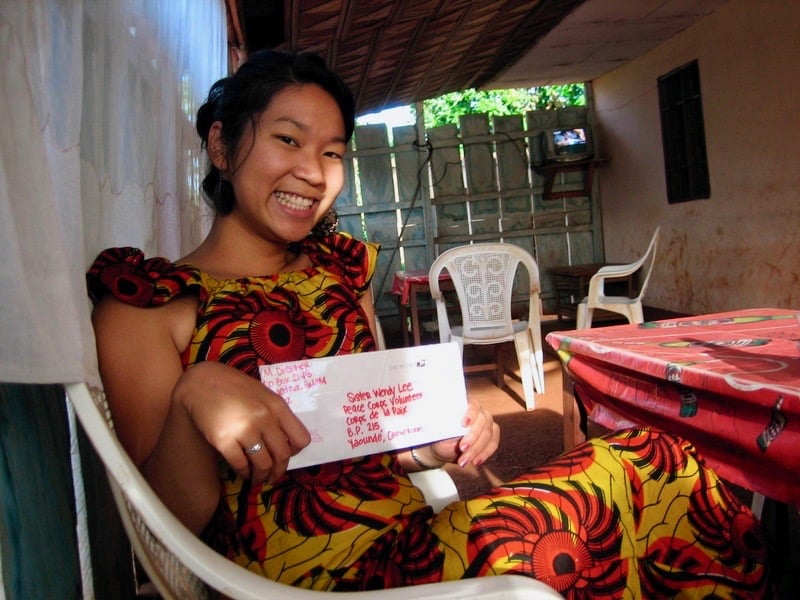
(630, 308)
(483, 276)
(181, 566)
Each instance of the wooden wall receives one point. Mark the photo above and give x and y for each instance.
(464, 184)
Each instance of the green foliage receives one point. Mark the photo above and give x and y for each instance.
(446, 109)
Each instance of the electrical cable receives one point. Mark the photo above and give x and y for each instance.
(427, 146)
(417, 146)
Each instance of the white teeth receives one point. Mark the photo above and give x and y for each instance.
(294, 201)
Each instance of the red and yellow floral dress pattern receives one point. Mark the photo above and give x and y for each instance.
(633, 515)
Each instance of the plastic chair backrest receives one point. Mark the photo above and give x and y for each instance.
(649, 261)
(483, 276)
(645, 263)
(183, 567)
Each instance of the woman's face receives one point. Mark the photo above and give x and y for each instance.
(290, 176)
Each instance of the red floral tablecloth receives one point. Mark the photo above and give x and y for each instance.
(727, 382)
(401, 283)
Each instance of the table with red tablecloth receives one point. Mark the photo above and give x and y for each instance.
(406, 286)
(728, 382)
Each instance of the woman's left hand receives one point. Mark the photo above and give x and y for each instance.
(477, 445)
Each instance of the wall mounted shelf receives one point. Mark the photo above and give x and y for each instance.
(551, 169)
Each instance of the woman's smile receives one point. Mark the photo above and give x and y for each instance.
(293, 201)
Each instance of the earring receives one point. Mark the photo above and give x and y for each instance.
(327, 225)
(218, 191)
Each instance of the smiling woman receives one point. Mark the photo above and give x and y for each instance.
(181, 345)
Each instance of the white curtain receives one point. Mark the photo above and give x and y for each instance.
(97, 149)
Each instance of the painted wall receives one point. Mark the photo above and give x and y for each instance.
(741, 247)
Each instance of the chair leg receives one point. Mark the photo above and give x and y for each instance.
(499, 367)
(522, 346)
(537, 366)
(584, 318)
(636, 313)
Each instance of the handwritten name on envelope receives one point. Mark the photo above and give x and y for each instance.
(372, 402)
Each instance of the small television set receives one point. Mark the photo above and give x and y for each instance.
(566, 144)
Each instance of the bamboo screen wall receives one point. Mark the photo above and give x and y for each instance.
(468, 183)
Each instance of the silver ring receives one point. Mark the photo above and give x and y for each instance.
(254, 449)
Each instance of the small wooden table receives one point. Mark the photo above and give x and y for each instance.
(407, 286)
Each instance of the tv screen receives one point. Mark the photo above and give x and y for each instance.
(567, 144)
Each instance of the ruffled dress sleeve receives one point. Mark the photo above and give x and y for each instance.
(352, 261)
(127, 275)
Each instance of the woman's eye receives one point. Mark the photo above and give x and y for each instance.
(287, 140)
(332, 154)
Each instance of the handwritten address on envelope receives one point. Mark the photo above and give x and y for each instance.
(372, 402)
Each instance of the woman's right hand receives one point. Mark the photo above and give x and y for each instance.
(236, 413)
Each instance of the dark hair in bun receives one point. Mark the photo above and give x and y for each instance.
(238, 100)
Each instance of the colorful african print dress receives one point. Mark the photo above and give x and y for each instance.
(633, 515)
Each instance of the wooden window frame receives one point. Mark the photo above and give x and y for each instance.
(683, 134)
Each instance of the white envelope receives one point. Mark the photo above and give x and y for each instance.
(371, 402)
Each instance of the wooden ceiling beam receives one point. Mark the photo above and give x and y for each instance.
(393, 52)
